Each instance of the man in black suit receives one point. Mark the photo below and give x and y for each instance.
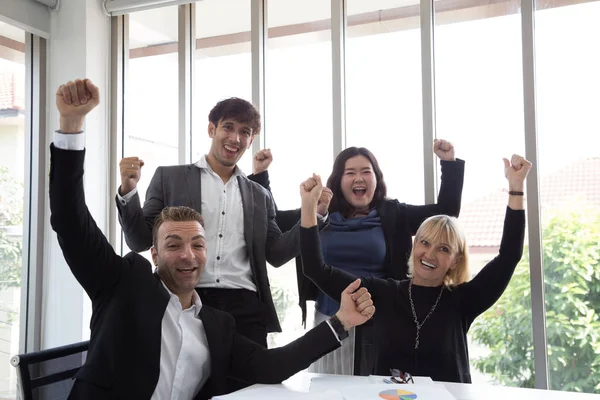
(151, 337)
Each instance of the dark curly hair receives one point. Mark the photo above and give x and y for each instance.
(237, 109)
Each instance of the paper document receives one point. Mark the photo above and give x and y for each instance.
(395, 392)
(265, 392)
(333, 382)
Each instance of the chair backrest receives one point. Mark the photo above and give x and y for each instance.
(48, 374)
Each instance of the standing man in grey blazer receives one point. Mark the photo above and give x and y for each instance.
(241, 232)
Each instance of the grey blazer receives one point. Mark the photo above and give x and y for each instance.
(179, 185)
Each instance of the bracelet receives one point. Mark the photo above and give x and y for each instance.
(338, 327)
(514, 193)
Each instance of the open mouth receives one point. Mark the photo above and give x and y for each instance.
(186, 271)
(359, 191)
(428, 265)
(231, 150)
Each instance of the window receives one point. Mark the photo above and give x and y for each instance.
(223, 66)
(151, 102)
(12, 181)
(567, 65)
(479, 98)
(299, 123)
(383, 89)
(298, 95)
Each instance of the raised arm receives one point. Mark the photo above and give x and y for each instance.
(253, 363)
(282, 247)
(89, 255)
(486, 288)
(136, 221)
(285, 219)
(261, 161)
(449, 197)
(289, 218)
(328, 279)
(262, 179)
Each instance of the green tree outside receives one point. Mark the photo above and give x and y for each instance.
(571, 247)
(11, 214)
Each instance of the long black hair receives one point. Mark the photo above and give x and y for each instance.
(338, 202)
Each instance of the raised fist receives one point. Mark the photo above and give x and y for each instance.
(74, 100)
(261, 161)
(310, 190)
(324, 200)
(356, 306)
(516, 171)
(131, 172)
(444, 150)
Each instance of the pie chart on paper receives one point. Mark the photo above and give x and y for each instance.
(397, 394)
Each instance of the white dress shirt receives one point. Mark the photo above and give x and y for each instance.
(184, 355)
(69, 141)
(227, 262)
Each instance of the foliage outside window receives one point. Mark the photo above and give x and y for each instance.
(571, 247)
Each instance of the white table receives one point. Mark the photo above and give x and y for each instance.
(462, 391)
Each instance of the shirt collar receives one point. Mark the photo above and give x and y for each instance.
(196, 302)
(203, 164)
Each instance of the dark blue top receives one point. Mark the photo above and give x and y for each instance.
(354, 245)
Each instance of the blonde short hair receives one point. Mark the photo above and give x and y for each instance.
(445, 229)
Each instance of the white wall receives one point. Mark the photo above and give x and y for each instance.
(29, 15)
(79, 47)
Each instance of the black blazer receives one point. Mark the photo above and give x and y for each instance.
(399, 221)
(128, 304)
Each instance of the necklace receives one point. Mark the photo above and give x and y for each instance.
(414, 313)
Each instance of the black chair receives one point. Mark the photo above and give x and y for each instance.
(48, 374)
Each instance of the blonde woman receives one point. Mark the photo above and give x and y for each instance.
(422, 322)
